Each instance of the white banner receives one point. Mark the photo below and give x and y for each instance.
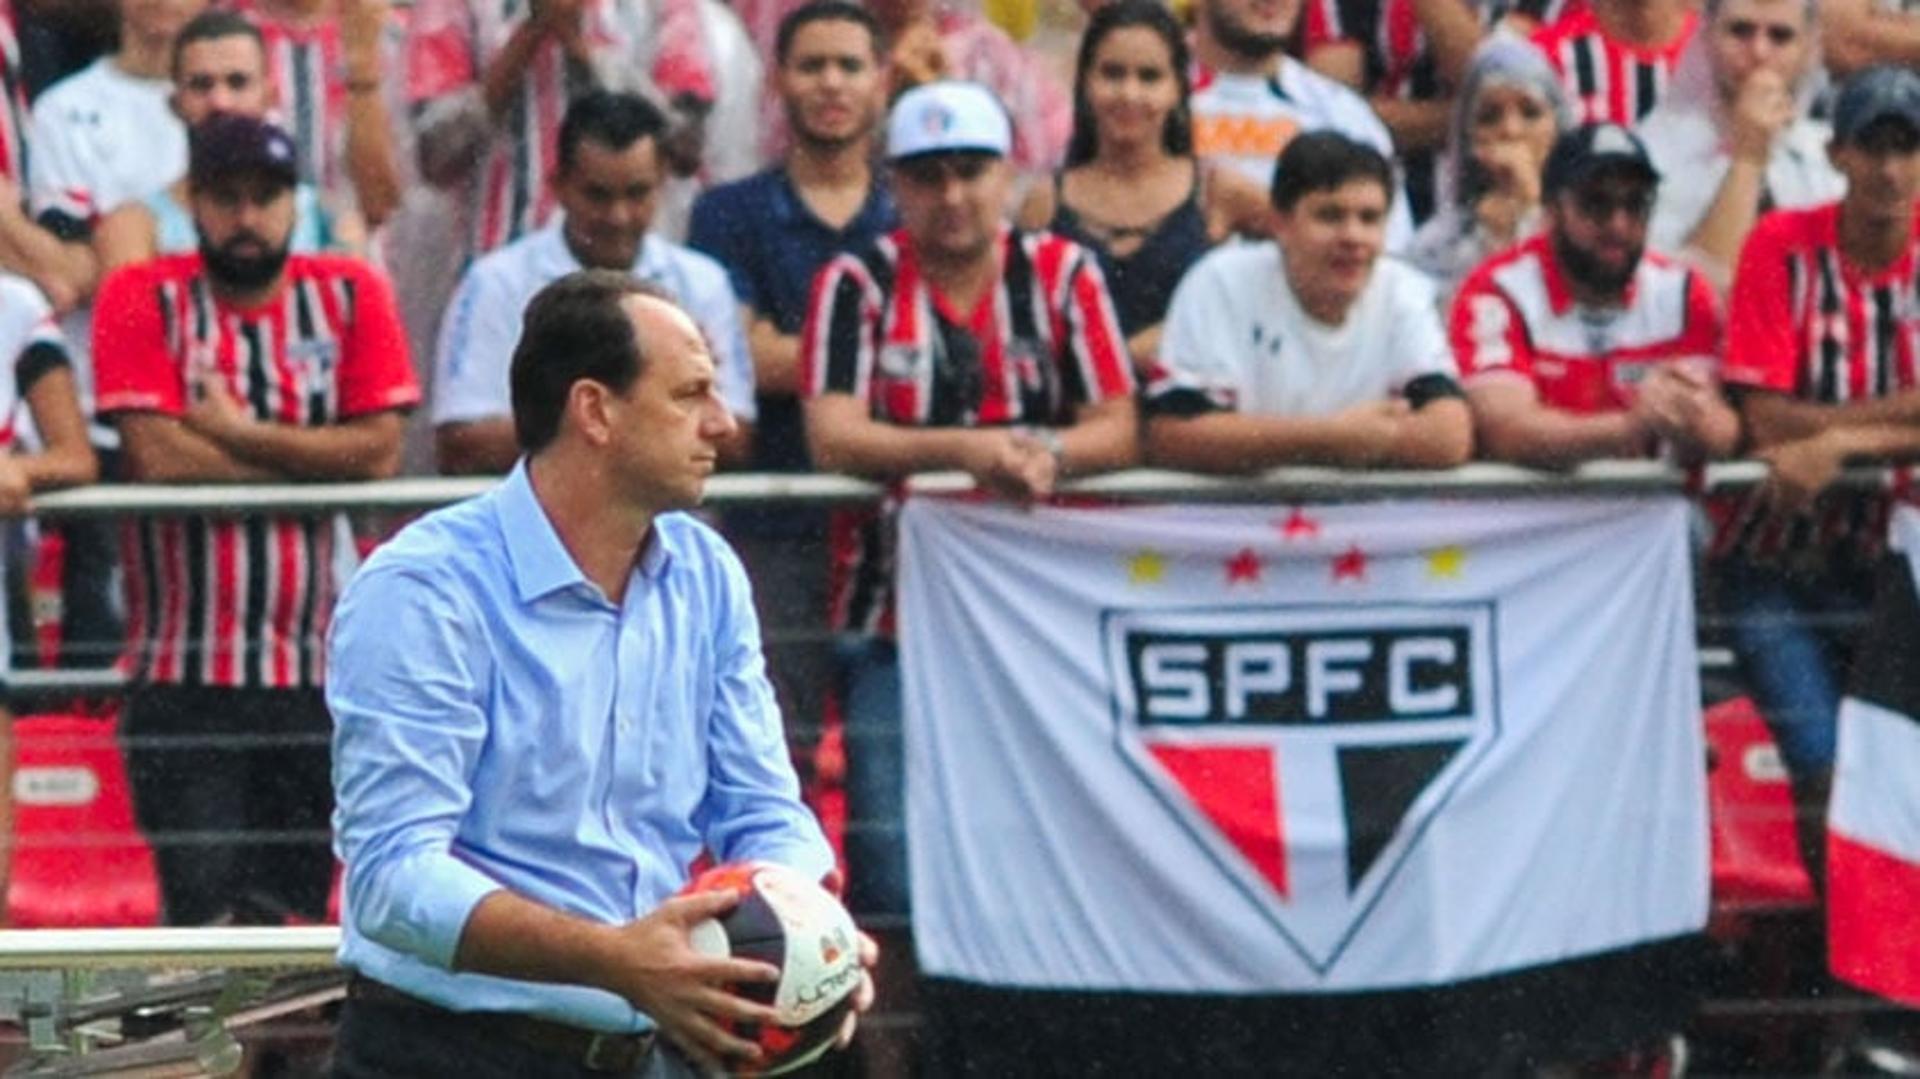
(1246, 749)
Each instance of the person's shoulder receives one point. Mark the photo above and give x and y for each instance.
(737, 202)
(1238, 263)
(702, 272)
(177, 268)
(22, 299)
(334, 266)
(1403, 286)
(1332, 105)
(1498, 271)
(83, 87)
(1806, 227)
(697, 545)
(439, 548)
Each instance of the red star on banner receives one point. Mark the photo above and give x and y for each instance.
(1351, 566)
(1298, 525)
(1244, 567)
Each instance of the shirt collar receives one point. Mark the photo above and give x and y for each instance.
(874, 213)
(541, 563)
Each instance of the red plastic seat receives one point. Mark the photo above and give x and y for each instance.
(1756, 852)
(79, 859)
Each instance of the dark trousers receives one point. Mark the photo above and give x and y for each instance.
(384, 1041)
(234, 791)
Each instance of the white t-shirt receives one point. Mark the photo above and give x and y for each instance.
(1236, 334)
(26, 320)
(101, 138)
(1239, 336)
(482, 326)
(1688, 148)
(1245, 121)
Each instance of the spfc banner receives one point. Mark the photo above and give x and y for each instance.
(1319, 748)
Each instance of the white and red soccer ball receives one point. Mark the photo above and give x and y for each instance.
(791, 922)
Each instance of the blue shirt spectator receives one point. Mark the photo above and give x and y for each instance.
(771, 244)
(500, 724)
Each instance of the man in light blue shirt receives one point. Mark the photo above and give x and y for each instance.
(548, 701)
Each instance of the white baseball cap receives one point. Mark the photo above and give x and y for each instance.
(948, 118)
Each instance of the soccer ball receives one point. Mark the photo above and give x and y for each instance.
(797, 926)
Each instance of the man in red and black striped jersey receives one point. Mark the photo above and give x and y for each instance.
(1616, 57)
(950, 343)
(1826, 357)
(1580, 343)
(241, 364)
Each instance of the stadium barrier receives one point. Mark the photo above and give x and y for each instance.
(73, 952)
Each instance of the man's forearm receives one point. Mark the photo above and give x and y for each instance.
(364, 450)
(1855, 35)
(65, 271)
(1730, 217)
(1453, 33)
(1105, 437)
(776, 356)
(870, 448)
(509, 69)
(1548, 438)
(1416, 125)
(483, 447)
(1234, 442)
(1773, 418)
(373, 161)
(161, 449)
(1439, 435)
(511, 936)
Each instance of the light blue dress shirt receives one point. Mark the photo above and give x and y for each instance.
(498, 723)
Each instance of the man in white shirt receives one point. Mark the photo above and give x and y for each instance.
(1250, 98)
(1311, 349)
(1735, 126)
(608, 176)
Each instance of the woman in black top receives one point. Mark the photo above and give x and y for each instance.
(1133, 191)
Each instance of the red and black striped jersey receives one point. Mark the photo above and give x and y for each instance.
(1398, 62)
(1810, 324)
(1042, 342)
(242, 601)
(1609, 81)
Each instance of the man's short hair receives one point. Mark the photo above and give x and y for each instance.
(215, 24)
(610, 118)
(824, 11)
(575, 328)
(1326, 161)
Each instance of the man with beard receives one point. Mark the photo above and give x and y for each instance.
(1581, 344)
(608, 177)
(1250, 98)
(241, 363)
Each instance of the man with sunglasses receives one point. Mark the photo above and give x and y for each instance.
(1580, 343)
(951, 343)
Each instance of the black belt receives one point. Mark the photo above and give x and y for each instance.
(589, 1049)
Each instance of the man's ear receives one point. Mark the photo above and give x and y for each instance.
(587, 404)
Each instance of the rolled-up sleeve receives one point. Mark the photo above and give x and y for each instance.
(403, 684)
(752, 808)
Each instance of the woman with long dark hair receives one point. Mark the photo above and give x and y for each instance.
(1132, 190)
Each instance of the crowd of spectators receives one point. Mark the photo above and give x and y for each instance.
(1367, 233)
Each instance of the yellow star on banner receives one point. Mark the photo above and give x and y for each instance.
(1446, 563)
(1147, 567)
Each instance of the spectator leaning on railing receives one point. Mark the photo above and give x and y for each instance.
(1580, 343)
(607, 180)
(241, 363)
(952, 343)
(1311, 349)
(1823, 357)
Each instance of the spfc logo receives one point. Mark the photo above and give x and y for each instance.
(1308, 748)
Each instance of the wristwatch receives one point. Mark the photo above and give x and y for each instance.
(1050, 438)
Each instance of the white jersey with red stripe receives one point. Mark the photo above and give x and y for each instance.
(1516, 316)
(30, 342)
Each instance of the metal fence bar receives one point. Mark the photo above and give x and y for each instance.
(427, 492)
(225, 946)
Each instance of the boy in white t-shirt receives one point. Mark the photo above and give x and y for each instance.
(1312, 349)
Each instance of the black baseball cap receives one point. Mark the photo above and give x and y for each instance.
(1584, 151)
(1876, 94)
(226, 145)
